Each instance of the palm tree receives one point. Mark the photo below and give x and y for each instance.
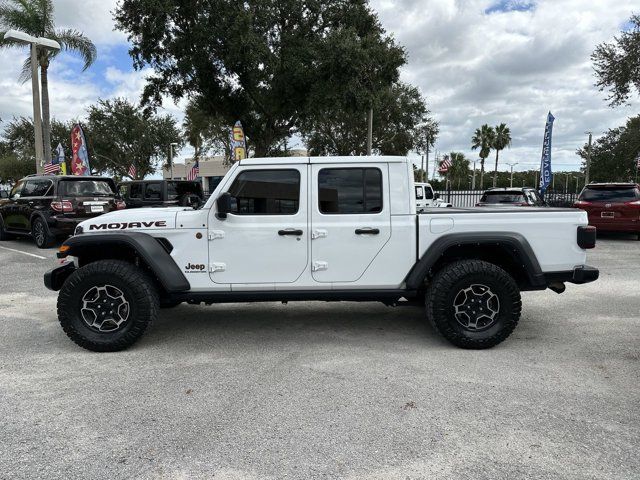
(459, 170)
(426, 136)
(483, 139)
(501, 140)
(36, 18)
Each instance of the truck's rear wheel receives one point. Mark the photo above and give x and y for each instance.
(473, 304)
(107, 305)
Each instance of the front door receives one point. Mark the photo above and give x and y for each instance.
(265, 238)
(350, 222)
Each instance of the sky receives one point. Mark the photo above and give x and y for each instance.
(474, 61)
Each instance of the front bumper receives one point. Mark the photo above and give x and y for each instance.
(55, 278)
(579, 275)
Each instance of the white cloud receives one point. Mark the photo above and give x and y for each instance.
(509, 67)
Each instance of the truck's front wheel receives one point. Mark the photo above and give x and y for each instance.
(107, 305)
(473, 304)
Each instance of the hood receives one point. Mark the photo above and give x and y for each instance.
(140, 219)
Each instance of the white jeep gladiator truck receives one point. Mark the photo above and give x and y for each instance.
(326, 228)
(427, 198)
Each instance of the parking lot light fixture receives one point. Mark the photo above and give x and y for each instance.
(34, 43)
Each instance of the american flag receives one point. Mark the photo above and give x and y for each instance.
(445, 165)
(194, 172)
(52, 168)
(132, 171)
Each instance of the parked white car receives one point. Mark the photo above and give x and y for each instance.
(285, 229)
(427, 198)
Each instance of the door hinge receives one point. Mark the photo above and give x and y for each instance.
(318, 234)
(213, 234)
(217, 267)
(317, 266)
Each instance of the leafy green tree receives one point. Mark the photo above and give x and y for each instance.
(12, 168)
(121, 134)
(501, 140)
(342, 131)
(36, 17)
(459, 170)
(483, 139)
(617, 64)
(18, 139)
(614, 155)
(272, 64)
(426, 135)
(204, 132)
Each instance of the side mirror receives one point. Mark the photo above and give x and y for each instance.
(224, 205)
(436, 196)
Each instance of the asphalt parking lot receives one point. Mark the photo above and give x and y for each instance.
(315, 390)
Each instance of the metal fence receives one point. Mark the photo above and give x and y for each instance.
(469, 198)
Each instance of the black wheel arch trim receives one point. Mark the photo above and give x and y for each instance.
(147, 247)
(515, 243)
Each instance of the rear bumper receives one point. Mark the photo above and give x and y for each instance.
(64, 225)
(579, 275)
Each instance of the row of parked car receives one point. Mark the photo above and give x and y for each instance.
(611, 207)
(49, 207)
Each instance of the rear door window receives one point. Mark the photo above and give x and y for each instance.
(153, 191)
(610, 194)
(135, 190)
(37, 188)
(350, 190)
(419, 193)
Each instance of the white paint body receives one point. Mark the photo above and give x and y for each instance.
(245, 252)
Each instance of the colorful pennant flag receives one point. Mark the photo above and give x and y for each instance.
(80, 158)
(238, 143)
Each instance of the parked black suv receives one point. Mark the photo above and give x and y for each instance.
(511, 197)
(47, 206)
(161, 193)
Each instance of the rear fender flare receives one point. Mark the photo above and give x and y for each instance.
(518, 247)
(152, 253)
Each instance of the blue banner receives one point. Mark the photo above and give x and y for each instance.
(545, 163)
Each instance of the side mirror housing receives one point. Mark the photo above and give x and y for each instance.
(224, 205)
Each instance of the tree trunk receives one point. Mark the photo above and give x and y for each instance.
(46, 121)
(482, 174)
(495, 172)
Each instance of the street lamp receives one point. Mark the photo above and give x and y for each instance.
(171, 145)
(511, 181)
(47, 44)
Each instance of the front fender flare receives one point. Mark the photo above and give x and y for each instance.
(517, 246)
(145, 246)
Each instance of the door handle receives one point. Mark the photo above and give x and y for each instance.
(367, 231)
(290, 231)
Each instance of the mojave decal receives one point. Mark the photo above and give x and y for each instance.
(125, 225)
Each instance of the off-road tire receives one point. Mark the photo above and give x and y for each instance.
(461, 275)
(40, 233)
(138, 290)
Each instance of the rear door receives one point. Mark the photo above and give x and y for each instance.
(350, 220)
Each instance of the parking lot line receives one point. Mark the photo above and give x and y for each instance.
(25, 253)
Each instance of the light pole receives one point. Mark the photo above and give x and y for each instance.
(586, 172)
(473, 180)
(511, 181)
(34, 43)
(171, 145)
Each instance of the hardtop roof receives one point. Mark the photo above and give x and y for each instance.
(322, 160)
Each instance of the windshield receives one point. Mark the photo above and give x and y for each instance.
(610, 194)
(502, 197)
(87, 188)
